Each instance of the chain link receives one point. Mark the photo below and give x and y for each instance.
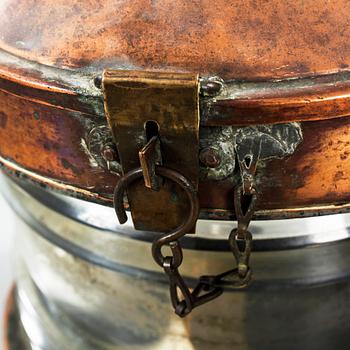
(184, 299)
(210, 287)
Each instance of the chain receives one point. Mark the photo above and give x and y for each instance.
(184, 299)
(210, 287)
(241, 233)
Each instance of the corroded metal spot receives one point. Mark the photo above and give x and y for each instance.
(277, 140)
(220, 139)
(273, 141)
(99, 145)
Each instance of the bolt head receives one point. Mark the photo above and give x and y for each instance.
(98, 81)
(109, 153)
(210, 88)
(210, 157)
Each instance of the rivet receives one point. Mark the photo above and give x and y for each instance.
(98, 81)
(109, 153)
(210, 88)
(210, 157)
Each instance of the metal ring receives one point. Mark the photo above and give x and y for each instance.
(182, 229)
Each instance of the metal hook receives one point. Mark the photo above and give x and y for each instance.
(182, 229)
(248, 161)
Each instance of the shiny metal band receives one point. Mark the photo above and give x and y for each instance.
(84, 282)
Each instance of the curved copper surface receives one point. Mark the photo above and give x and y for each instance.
(46, 112)
(237, 39)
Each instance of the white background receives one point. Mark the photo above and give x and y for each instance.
(7, 230)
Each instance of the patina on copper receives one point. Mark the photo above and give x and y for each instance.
(240, 39)
(277, 61)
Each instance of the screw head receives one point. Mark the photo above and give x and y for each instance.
(210, 157)
(210, 88)
(109, 153)
(98, 81)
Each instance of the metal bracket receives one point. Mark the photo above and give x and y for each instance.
(149, 111)
(150, 156)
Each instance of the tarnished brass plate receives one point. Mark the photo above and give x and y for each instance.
(169, 100)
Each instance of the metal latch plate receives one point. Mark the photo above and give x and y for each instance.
(133, 98)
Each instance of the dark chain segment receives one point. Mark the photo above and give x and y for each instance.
(184, 299)
(244, 208)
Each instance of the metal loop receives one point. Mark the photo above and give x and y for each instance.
(230, 278)
(210, 292)
(244, 217)
(177, 254)
(177, 233)
(200, 295)
(248, 160)
(241, 256)
(176, 283)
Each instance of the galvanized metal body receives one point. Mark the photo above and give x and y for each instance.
(85, 282)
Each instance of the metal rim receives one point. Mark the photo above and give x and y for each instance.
(103, 218)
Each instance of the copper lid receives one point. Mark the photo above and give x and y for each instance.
(233, 39)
